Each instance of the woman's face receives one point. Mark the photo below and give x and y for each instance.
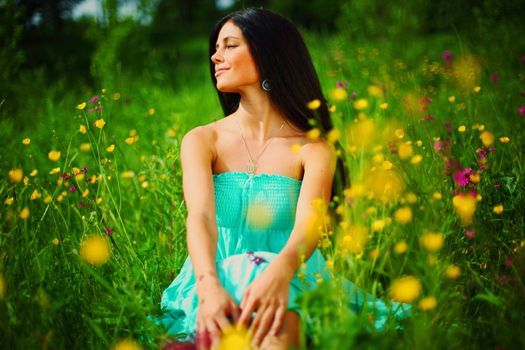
(234, 66)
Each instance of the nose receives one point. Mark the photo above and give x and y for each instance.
(216, 57)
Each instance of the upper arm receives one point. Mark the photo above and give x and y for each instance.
(319, 167)
(197, 181)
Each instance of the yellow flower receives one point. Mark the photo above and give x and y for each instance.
(35, 195)
(403, 215)
(100, 123)
(34, 173)
(48, 199)
(416, 159)
(419, 143)
(465, 207)
(132, 132)
(383, 105)
(83, 129)
(151, 111)
(427, 303)
(453, 272)
(405, 289)
(375, 91)
(437, 196)
(334, 135)
(313, 134)
(332, 108)
(85, 193)
(400, 133)
(361, 104)
(314, 104)
(16, 175)
(9, 201)
(474, 178)
(411, 197)
(462, 128)
(387, 165)
(54, 170)
(235, 338)
(296, 148)
(26, 141)
(54, 155)
(451, 99)
(55, 241)
(477, 89)
(355, 239)
(378, 225)
(24, 213)
(338, 94)
(95, 250)
(104, 90)
(110, 148)
(498, 209)
(116, 96)
(432, 241)
(259, 215)
(126, 344)
(487, 138)
(504, 139)
(26, 181)
(404, 150)
(85, 147)
(400, 247)
(81, 106)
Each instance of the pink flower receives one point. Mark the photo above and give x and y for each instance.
(494, 77)
(470, 234)
(447, 56)
(521, 110)
(73, 188)
(108, 231)
(461, 177)
(94, 99)
(438, 145)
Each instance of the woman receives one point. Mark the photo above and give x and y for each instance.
(252, 182)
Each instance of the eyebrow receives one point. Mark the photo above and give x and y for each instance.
(226, 38)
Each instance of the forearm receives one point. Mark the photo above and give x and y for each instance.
(202, 248)
(301, 245)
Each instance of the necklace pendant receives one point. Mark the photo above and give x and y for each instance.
(251, 168)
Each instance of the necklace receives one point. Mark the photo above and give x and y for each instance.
(252, 164)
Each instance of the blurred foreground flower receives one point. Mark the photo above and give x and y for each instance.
(427, 303)
(314, 104)
(95, 250)
(24, 213)
(432, 241)
(235, 338)
(127, 344)
(465, 207)
(405, 289)
(354, 239)
(453, 272)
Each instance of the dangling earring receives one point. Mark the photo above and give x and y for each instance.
(265, 85)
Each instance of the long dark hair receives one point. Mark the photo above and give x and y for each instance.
(281, 56)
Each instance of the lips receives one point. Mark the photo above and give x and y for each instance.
(220, 71)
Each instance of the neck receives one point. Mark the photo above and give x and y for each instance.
(259, 119)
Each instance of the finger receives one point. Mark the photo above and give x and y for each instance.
(263, 326)
(235, 311)
(213, 332)
(246, 313)
(245, 298)
(223, 323)
(278, 320)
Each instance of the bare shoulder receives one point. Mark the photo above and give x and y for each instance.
(318, 152)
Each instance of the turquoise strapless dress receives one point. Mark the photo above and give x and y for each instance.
(255, 216)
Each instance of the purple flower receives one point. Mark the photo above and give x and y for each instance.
(494, 77)
(84, 169)
(108, 231)
(447, 56)
(94, 99)
(428, 118)
(90, 110)
(98, 109)
(65, 176)
(257, 260)
(354, 95)
(461, 177)
(497, 185)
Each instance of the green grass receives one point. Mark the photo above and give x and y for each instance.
(51, 298)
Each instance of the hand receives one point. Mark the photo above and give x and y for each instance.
(268, 296)
(215, 307)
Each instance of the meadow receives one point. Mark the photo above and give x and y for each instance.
(92, 211)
